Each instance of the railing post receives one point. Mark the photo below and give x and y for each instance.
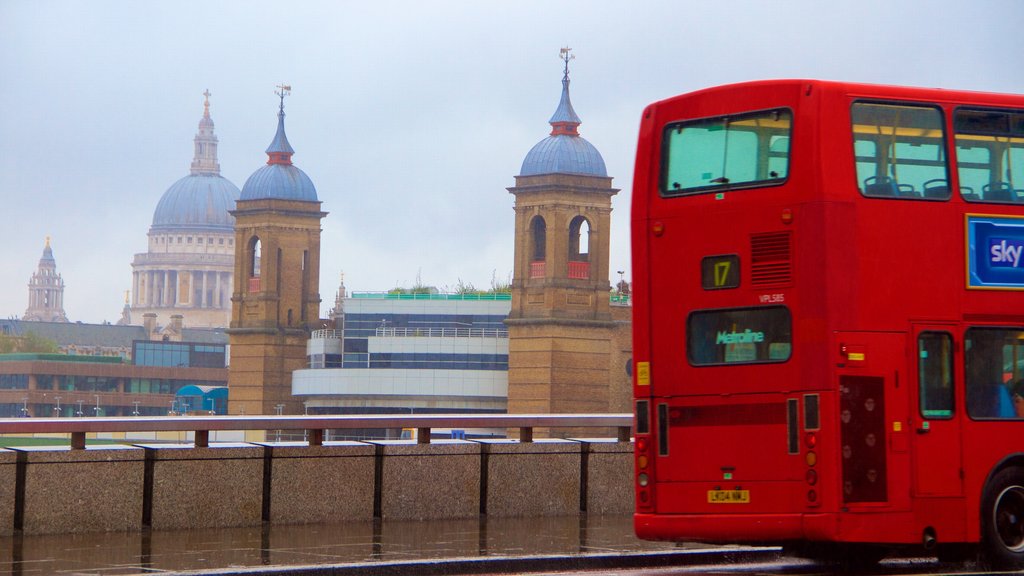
(316, 437)
(78, 440)
(423, 435)
(624, 432)
(202, 438)
(526, 434)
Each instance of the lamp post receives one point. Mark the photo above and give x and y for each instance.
(280, 410)
(24, 407)
(97, 408)
(136, 411)
(56, 409)
(80, 413)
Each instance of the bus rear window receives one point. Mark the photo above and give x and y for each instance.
(711, 154)
(739, 336)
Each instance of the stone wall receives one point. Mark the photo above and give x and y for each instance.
(165, 486)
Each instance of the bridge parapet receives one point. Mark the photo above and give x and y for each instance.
(224, 484)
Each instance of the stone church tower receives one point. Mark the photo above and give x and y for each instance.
(46, 291)
(276, 301)
(561, 330)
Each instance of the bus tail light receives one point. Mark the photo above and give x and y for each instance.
(811, 439)
(812, 477)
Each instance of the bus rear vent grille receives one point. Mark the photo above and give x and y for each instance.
(770, 259)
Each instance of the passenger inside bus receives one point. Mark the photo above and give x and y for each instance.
(987, 395)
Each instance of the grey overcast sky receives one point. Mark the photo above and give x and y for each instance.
(411, 118)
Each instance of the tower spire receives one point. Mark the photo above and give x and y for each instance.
(280, 151)
(46, 291)
(564, 120)
(205, 159)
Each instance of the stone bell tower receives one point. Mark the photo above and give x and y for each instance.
(276, 302)
(560, 325)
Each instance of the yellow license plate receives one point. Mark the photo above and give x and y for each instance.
(728, 496)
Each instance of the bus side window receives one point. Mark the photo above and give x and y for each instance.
(935, 374)
(898, 149)
(991, 362)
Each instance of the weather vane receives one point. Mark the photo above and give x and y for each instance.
(282, 91)
(565, 56)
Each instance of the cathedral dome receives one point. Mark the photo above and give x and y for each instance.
(197, 201)
(279, 179)
(203, 198)
(564, 151)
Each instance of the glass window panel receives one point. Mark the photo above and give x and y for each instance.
(990, 154)
(900, 151)
(935, 374)
(994, 372)
(719, 153)
(739, 335)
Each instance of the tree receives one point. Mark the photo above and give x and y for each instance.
(29, 343)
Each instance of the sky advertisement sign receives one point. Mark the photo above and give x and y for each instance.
(995, 252)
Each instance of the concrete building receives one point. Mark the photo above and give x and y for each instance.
(188, 267)
(409, 353)
(276, 302)
(568, 351)
(46, 291)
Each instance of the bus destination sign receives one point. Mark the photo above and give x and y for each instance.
(718, 272)
(995, 252)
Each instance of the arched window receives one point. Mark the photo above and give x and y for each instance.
(579, 248)
(253, 256)
(537, 246)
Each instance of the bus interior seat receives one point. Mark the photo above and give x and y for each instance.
(907, 191)
(880, 186)
(967, 193)
(997, 192)
(936, 189)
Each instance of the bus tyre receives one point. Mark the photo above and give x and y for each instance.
(1002, 520)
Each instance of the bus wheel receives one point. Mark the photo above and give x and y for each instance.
(1002, 520)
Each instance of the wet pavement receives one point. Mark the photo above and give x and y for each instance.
(391, 547)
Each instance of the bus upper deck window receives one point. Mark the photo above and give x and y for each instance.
(711, 154)
(990, 154)
(900, 151)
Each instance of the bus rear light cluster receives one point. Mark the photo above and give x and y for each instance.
(643, 478)
(811, 459)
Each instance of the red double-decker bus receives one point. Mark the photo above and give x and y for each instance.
(829, 319)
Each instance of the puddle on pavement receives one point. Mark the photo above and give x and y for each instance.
(350, 542)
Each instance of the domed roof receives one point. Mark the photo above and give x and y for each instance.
(564, 151)
(197, 201)
(203, 198)
(280, 178)
(281, 181)
(561, 154)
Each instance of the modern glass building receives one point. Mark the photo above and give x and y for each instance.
(409, 353)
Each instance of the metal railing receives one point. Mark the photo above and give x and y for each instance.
(314, 426)
(442, 332)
